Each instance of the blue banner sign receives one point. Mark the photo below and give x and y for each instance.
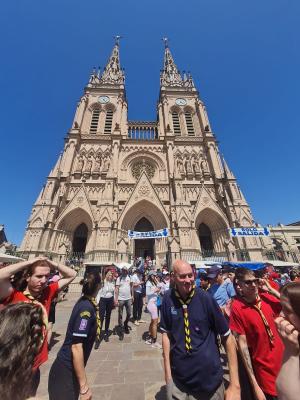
(149, 235)
(234, 232)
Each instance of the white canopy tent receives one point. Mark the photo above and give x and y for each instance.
(278, 263)
(102, 264)
(123, 265)
(203, 264)
(7, 258)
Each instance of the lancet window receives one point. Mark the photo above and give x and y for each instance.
(176, 123)
(189, 124)
(95, 120)
(108, 121)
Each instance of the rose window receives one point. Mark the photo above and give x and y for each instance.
(140, 167)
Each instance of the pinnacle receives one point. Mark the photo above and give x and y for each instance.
(170, 75)
(113, 73)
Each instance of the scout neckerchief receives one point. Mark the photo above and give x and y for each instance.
(185, 303)
(96, 306)
(39, 303)
(257, 307)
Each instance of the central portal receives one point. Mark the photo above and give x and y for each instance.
(144, 247)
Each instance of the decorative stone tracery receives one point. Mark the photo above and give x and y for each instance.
(141, 166)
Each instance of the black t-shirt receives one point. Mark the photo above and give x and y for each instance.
(81, 329)
(200, 370)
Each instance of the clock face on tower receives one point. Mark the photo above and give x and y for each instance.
(180, 102)
(103, 99)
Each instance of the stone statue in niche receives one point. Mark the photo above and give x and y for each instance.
(79, 165)
(195, 165)
(220, 190)
(88, 166)
(106, 164)
(97, 165)
(188, 165)
(204, 167)
(180, 167)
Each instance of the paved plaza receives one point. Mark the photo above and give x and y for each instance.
(127, 370)
(117, 370)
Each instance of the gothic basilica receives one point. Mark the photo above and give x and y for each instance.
(116, 175)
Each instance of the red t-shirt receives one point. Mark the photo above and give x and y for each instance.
(266, 358)
(274, 284)
(48, 294)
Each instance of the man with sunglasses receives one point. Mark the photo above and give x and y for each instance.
(252, 321)
(190, 321)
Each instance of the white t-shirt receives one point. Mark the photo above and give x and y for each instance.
(108, 290)
(124, 288)
(151, 291)
(135, 279)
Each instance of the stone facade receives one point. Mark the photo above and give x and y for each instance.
(286, 243)
(115, 175)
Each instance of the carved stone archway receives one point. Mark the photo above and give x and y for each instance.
(66, 228)
(147, 209)
(152, 213)
(217, 226)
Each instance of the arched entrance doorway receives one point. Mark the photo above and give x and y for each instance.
(80, 238)
(206, 242)
(144, 247)
(212, 229)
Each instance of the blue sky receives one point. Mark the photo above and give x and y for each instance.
(244, 58)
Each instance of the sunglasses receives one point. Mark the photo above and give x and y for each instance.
(249, 282)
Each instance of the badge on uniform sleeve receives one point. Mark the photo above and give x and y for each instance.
(85, 314)
(83, 324)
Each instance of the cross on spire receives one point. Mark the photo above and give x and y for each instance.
(166, 42)
(117, 40)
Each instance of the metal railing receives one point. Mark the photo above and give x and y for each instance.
(210, 255)
(140, 130)
(282, 255)
(242, 255)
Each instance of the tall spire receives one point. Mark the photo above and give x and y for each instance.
(170, 75)
(113, 73)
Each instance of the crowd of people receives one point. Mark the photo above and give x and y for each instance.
(252, 317)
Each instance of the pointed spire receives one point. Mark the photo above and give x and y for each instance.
(113, 73)
(170, 75)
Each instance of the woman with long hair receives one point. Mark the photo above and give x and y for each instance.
(106, 304)
(67, 377)
(152, 292)
(288, 325)
(22, 331)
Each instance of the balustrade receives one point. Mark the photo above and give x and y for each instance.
(142, 130)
